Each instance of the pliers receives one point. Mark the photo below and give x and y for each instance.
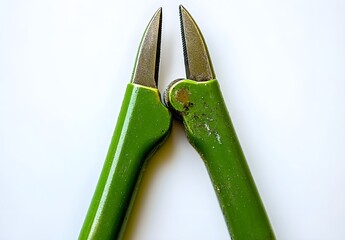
(144, 123)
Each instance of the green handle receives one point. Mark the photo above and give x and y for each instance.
(209, 129)
(143, 124)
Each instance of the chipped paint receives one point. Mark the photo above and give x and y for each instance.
(218, 137)
(207, 128)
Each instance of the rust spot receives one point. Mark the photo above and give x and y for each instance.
(182, 96)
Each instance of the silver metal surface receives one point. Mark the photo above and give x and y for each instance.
(196, 58)
(147, 62)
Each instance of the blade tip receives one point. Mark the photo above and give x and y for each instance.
(182, 10)
(159, 11)
(158, 14)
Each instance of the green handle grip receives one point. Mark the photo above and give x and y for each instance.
(143, 124)
(209, 129)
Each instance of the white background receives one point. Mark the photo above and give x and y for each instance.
(64, 66)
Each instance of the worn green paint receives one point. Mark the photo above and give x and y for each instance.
(143, 124)
(209, 129)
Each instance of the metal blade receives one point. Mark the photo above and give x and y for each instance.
(147, 62)
(196, 58)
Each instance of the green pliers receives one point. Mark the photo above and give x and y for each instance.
(145, 122)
